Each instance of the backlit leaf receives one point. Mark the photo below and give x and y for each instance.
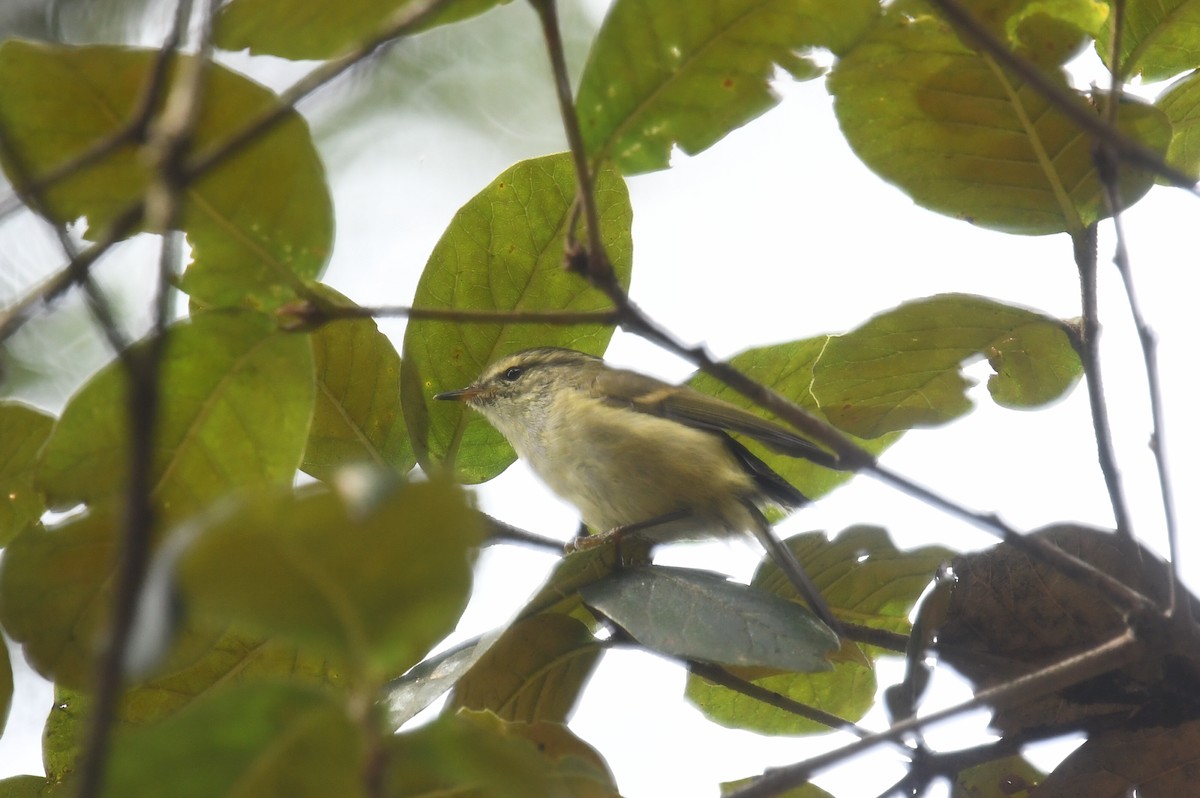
(357, 417)
(502, 251)
(963, 137)
(535, 671)
(667, 74)
(1158, 39)
(23, 430)
(251, 740)
(259, 225)
(787, 369)
(1181, 103)
(903, 368)
(373, 586)
(236, 402)
(301, 30)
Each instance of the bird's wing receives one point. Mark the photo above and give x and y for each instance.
(690, 407)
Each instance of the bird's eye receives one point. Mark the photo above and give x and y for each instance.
(512, 374)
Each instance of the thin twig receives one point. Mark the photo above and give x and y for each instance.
(305, 315)
(1085, 260)
(1127, 149)
(500, 532)
(1101, 659)
(143, 366)
(723, 678)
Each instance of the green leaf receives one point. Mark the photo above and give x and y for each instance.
(250, 740)
(55, 596)
(903, 368)
(6, 684)
(234, 659)
(787, 369)
(560, 593)
(481, 756)
(301, 30)
(861, 573)
(27, 787)
(535, 671)
(803, 791)
(357, 417)
(1047, 32)
(23, 430)
(962, 137)
(700, 615)
(1158, 40)
(427, 681)
(1181, 103)
(1010, 777)
(502, 251)
(866, 581)
(374, 586)
(666, 74)
(236, 403)
(260, 224)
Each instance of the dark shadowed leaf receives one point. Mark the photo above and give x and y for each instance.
(534, 672)
(1155, 762)
(23, 430)
(502, 251)
(804, 791)
(701, 615)
(664, 74)
(427, 681)
(373, 586)
(866, 581)
(357, 417)
(236, 404)
(301, 30)
(903, 368)
(251, 740)
(234, 659)
(963, 137)
(259, 225)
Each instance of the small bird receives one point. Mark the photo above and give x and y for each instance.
(634, 453)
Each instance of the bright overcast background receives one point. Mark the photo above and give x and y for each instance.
(776, 233)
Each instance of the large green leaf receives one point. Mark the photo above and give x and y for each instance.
(1158, 41)
(299, 29)
(23, 430)
(963, 137)
(236, 403)
(374, 586)
(1047, 33)
(502, 251)
(866, 581)
(701, 615)
(478, 755)
(686, 74)
(903, 368)
(260, 224)
(251, 740)
(55, 594)
(1181, 103)
(788, 370)
(535, 671)
(357, 417)
(234, 659)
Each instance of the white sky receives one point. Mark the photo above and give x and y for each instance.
(777, 233)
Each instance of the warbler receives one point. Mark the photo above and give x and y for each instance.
(632, 452)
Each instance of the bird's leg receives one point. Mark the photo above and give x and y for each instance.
(617, 534)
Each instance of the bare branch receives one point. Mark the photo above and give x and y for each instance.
(1105, 657)
(305, 315)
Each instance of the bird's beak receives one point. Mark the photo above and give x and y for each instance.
(461, 395)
